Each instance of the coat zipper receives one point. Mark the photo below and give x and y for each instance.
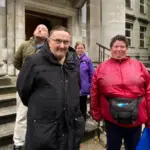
(122, 77)
(65, 91)
(64, 84)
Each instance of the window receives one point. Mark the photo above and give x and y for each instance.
(143, 36)
(142, 9)
(128, 32)
(128, 3)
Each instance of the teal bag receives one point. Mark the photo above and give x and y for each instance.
(144, 143)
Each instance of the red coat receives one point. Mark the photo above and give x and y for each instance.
(127, 78)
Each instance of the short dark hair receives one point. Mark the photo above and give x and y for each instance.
(58, 28)
(119, 38)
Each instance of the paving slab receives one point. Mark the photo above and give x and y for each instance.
(91, 145)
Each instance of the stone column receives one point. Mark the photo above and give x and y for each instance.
(19, 24)
(83, 14)
(10, 36)
(113, 19)
(74, 25)
(93, 28)
(3, 49)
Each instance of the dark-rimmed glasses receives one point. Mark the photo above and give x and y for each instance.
(59, 41)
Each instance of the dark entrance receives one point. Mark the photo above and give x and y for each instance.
(32, 19)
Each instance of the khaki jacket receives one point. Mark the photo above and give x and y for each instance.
(26, 49)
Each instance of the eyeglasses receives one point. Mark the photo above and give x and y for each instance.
(58, 41)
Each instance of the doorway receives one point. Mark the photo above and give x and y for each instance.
(33, 19)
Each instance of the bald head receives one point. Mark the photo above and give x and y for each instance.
(41, 31)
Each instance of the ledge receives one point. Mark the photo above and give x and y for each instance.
(79, 3)
(129, 16)
(143, 20)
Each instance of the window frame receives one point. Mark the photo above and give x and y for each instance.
(131, 32)
(142, 5)
(130, 4)
(144, 39)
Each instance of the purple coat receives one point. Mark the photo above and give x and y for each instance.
(86, 74)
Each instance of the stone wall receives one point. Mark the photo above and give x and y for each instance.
(62, 8)
(135, 11)
(3, 38)
(12, 31)
(113, 20)
(93, 27)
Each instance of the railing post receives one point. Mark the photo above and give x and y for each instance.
(103, 54)
(102, 50)
(99, 53)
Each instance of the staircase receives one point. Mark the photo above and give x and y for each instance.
(7, 111)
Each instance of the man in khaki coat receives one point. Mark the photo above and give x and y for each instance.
(26, 49)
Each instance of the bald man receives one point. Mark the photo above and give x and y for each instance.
(26, 49)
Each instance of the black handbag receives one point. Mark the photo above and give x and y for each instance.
(124, 110)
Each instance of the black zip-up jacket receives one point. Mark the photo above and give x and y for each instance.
(51, 92)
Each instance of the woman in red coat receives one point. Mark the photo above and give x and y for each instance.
(121, 96)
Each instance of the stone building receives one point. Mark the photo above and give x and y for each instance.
(18, 19)
(106, 18)
(137, 28)
(88, 20)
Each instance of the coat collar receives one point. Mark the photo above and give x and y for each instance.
(81, 56)
(70, 58)
(121, 60)
(32, 41)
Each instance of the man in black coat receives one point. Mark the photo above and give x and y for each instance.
(48, 84)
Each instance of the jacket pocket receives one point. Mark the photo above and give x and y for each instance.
(79, 129)
(44, 134)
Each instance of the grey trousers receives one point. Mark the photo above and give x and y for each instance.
(21, 123)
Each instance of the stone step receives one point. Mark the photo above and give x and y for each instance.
(6, 133)
(7, 147)
(7, 89)
(7, 100)
(5, 80)
(7, 114)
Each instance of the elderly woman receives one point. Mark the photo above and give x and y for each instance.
(121, 96)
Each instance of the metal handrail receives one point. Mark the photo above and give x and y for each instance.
(102, 52)
(100, 45)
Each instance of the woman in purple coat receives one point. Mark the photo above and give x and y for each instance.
(86, 73)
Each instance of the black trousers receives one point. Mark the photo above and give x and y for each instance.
(83, 105)
(115, 134)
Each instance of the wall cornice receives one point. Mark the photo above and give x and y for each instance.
(51, 8)
(79, 3)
